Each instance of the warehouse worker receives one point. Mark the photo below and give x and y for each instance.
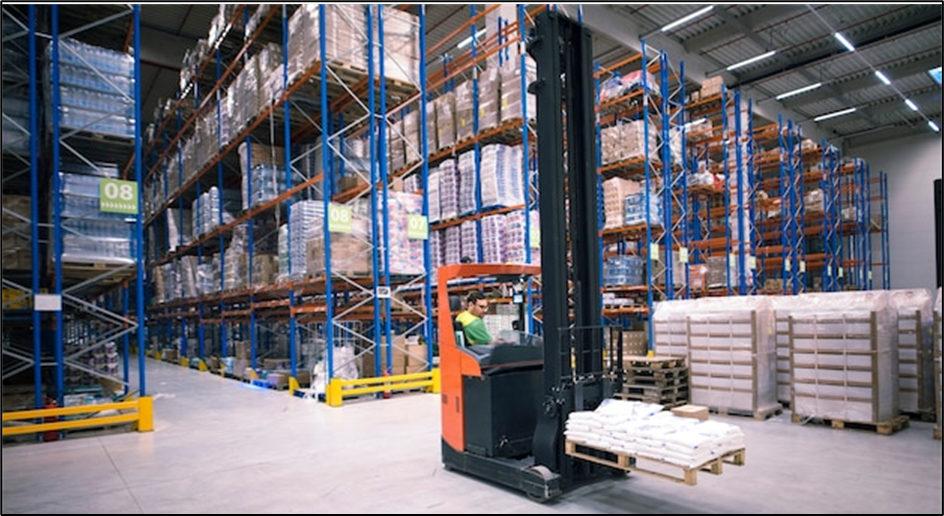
(471, 319)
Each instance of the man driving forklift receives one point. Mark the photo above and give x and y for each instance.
(473, 327)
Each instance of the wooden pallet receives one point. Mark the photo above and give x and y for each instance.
(674, 376)
(631, 463)
(897, 424)
(668, 403)
(761, 414)
(653, 363)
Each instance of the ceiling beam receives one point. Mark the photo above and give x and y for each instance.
(886, 134)
(890, 105)
(867, 80)
(921, 20)
(756, 21)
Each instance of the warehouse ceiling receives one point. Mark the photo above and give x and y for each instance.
(903, 41)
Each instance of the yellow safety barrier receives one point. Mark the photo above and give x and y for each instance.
(339, 389)
(293, 385)
(185, 362)
(142, 417)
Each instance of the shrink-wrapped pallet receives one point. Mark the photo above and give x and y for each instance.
(844, 358)
(915, 352)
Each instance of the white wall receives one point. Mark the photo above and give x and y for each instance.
(912, 165)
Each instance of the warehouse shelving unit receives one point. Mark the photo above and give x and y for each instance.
(660, 242)
(329, 100)
(86, 259)
(22, 275)
(494, 63)
(726, 149)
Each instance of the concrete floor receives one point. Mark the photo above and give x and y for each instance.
(220, 446)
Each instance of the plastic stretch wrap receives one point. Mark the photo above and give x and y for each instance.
(511, 89)
(448, 190)
(468, 183)
(469, 232)
(489, 99)
(782, 306)
(500, 175)
(670, 327)
(915, 350)
(732, 357)
(445, 108)
(350, 252)
(844, 351)
(465, 111)
(434, 187)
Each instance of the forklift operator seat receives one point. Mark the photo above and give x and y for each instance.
(455, 308)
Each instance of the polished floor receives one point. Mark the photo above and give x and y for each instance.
(220, 446)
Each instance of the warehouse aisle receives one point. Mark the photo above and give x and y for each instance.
(223, 447)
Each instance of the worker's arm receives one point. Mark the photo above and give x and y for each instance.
(476, 333)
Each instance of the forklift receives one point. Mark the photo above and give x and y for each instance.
(505, 405)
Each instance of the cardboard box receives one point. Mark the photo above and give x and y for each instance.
(243, 350)
(277, 380)
(275, 364)
(692, 412)
(416, 359)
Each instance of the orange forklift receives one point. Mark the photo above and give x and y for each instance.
(505, 405)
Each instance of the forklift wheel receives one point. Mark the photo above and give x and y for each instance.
(544, 474)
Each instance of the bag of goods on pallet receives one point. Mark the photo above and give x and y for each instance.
(469, 231)
(493, 234)
(452, 245)
(468, 183)
(449, 190)
(501, 176)
(515, 242)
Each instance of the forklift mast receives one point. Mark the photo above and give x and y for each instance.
(574, 377)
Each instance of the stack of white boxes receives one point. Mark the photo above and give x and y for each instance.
(493, 234)
(732, 355)
(467, 183)
(435, 177)
(452, 245)
(406, 254)
(469, 237)
(782, 306)
(500, 173)
(514, 240)
(448, 190)
(844, 357)
(670, 328)
(615, 192)
(306, 218)
(915, 352)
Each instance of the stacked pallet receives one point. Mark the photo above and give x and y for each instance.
(844, 361)
(732, 357)
(657, 380)
(915, 353)
(937, 361)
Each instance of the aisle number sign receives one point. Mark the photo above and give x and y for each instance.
(683, 255)
(535, 237)
(118, 196)
(417, 227)
(340, 218)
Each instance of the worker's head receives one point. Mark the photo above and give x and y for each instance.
(476, 304)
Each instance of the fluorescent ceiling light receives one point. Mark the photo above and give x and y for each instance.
(935, 74)
(934, 126)
(911, 104)
(834, 114)
(798, 91)
(693, 123)
(464, 43)
(845, 42)
(751, 60)
(881, 77)
(687, 18)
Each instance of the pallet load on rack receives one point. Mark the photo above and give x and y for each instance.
(92, 236)
(511, 90)
(96, 88)
(263, 173)
(844, 358)
(937, 362)
(350, 251)
(621, 434)
(658, 380)
(915, 353)
(17, 249)
(615, 192)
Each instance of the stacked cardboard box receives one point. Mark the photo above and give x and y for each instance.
(401, 46)
(711, 86)
(915, 352)
(489, 98)
(511, 89)
(406, 254)
(465, 112)
(17, 247)
(350, 252)
(263, 173)
(500, 173)
(445, 109)
(615, 192)
(635, 210)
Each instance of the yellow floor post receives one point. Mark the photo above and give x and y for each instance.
(436, 388)
(145, 414)
(333, 395)
(293, 385)
(184, 362)
(201, 366)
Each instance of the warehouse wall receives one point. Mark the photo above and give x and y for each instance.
(912, 165)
